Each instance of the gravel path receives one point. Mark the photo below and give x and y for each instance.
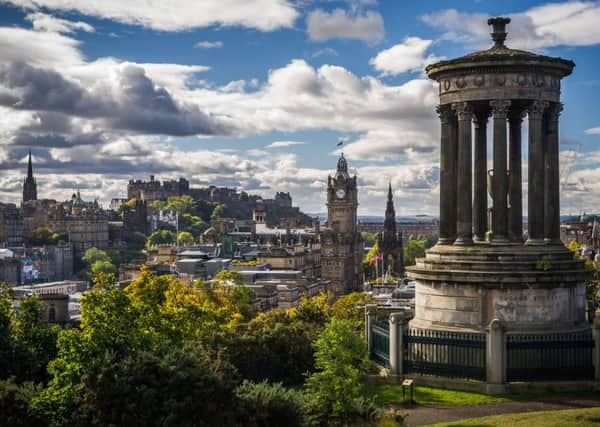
(430, 414)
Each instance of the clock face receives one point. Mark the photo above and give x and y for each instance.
(340, 193)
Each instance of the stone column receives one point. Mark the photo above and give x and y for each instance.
(551, 176)
(370, 313)
(396, 321)
(447, 177)
(500, 179)
(480, 177)
(495, 358)
(515, 184)
(535, 190)
(464, 223)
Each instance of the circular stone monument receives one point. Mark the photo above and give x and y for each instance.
(482, 267)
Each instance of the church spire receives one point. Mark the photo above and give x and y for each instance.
(390, 213)
(29, 186)
(29, 167)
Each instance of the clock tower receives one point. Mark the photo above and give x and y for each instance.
(341, 245)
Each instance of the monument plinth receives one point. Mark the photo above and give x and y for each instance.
(482, 267)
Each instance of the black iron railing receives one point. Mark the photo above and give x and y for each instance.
(549, 357)
(380, 349)
(445, 354)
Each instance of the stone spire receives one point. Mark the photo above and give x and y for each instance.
(29, 185)
(389, 224)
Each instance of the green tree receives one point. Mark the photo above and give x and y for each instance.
(352, 307)
(128, 206)
(334, 393)
(413, 249)
(161, 237)
(174, 386)
(244, 197)
(15, 404)
(94, 254)
(102, 266)
(34, 344)
(6, 315)
(186, 238)
(218, 211)
(42, 236)
(265, 404)
(229, 277)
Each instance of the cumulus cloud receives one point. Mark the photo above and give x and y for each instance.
(322, 25)
(179, 15)
(205, 44)
(402, 57)
(572, 23)
(283, 144)
(44, 22)
(593, 131)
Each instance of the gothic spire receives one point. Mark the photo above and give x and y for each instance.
(390, 213)
(29, 167)
(29, 186)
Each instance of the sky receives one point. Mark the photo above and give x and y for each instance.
(255, 94)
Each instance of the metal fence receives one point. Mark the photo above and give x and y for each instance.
(380, 350)
(550, 357)
(445, 354)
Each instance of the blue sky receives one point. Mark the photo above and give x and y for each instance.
(255, 94)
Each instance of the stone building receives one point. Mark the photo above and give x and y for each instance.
(483, 270)
(11, 225)
(341, 244)
(30, 184)
(390, 240)
(85, 223)
(157, 190)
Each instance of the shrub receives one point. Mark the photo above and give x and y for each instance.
(263, 405)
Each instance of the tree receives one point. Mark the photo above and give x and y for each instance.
(413, 249)
(243, 196)
(352, 307)
(42, 236)
(128, 206)
(218, 211)
(102, 266)
(185, 238)
(265, 404)
(161, 237)
(33, 344)
(367, 266)
(229, 277)
(174, 386)
(94, 254)
(334, 392)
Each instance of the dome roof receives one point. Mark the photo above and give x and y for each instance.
(500, 55)
(78, 201)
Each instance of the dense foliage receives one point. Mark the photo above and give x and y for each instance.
(164, 352)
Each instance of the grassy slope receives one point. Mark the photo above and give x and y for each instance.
(587, 417)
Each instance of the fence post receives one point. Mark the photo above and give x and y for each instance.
(596, 335)
(397, 323)
(495, 358)
(370, 313)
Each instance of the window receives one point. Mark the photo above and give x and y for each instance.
(51, 314)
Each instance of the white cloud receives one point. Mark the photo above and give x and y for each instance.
(205, 44)
(593, 131)
(45, 22)
(282, 144)
(402, 57)
(178, 15)
(572, 23)
(322, 25)
(328, 51)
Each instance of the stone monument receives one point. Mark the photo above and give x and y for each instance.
(482, 267)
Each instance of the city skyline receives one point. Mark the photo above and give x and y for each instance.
(231, 97)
